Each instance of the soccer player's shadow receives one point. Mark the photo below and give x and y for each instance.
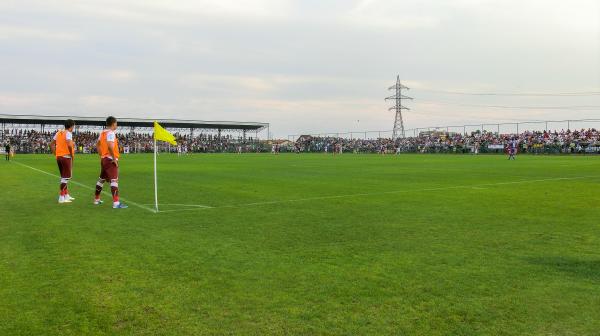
(588, 269)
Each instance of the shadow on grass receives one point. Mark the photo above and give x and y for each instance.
(588, 269)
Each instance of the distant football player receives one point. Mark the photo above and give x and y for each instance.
(108, 149)
(63, 148)
(512, 150)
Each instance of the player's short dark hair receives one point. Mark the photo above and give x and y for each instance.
(69, 123)
(110, 121)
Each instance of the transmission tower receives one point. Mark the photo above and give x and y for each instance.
(398, 97)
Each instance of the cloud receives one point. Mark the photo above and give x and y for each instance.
(273, 85)
(27, 32)
(230, 83)
(392, 15)
(11, 100)
(99, 101)
(162, 11)
(119, 75)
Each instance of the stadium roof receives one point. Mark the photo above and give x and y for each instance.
(129, 122)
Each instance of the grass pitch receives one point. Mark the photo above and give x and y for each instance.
(305, 244)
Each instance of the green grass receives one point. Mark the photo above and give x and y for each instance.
(415, 245)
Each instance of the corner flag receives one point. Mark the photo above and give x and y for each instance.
(160, 134)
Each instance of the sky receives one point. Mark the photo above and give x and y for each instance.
(309, 66)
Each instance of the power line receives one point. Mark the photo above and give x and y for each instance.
(518, 94)
(570, 107)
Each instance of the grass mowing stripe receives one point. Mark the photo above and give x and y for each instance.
(318, 198)
(85, 186)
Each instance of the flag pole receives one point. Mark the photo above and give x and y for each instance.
(155, 179)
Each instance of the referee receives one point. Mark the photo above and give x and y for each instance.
(7, 151)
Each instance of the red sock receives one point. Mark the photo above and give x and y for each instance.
(115, 193)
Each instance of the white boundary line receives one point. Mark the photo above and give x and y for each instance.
(86, 187)
(479, 186)
(184, 205)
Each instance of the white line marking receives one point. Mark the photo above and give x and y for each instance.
(183, 205)
(382, 193)
(86, 187)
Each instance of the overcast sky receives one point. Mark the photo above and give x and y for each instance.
(303, 66)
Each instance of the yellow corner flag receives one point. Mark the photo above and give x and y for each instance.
(162, 134)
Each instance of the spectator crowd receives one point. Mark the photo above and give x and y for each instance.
(551, 142)
(32, 141)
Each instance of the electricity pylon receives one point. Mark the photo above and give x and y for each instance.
(398, 122)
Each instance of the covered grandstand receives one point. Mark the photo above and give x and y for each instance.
(44, 123)
(30, 133)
